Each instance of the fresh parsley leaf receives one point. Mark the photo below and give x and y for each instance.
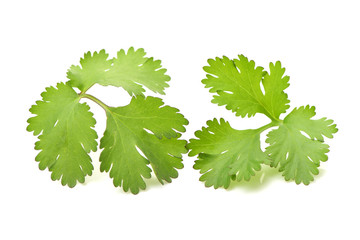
(142, 133)
(236, 84)
(275, 100)
(66, 134)
(132, 71)
(299, 155)
(226, 154)
(92, 70)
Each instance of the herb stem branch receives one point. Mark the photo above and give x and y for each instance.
(96, 100)
(267, 126)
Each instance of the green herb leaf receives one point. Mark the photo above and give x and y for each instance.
(132, 71)
(92, 70)
(299, 155)
(237, 86)
(66, 134)
(226, 153)
(275, 99)
(142, 133)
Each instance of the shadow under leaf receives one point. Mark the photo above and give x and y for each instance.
(152, 182)
(259, 181)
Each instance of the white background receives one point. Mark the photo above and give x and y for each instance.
(317, 42)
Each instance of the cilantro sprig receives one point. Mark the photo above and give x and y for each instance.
(296, 144)
(143, 134)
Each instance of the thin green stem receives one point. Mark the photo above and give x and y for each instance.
(84, 91)
(273, 119)
(96, 100)
(267, 126)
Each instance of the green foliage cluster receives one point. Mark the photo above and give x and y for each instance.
(138, 136)
(296, 145)
(144, 136)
